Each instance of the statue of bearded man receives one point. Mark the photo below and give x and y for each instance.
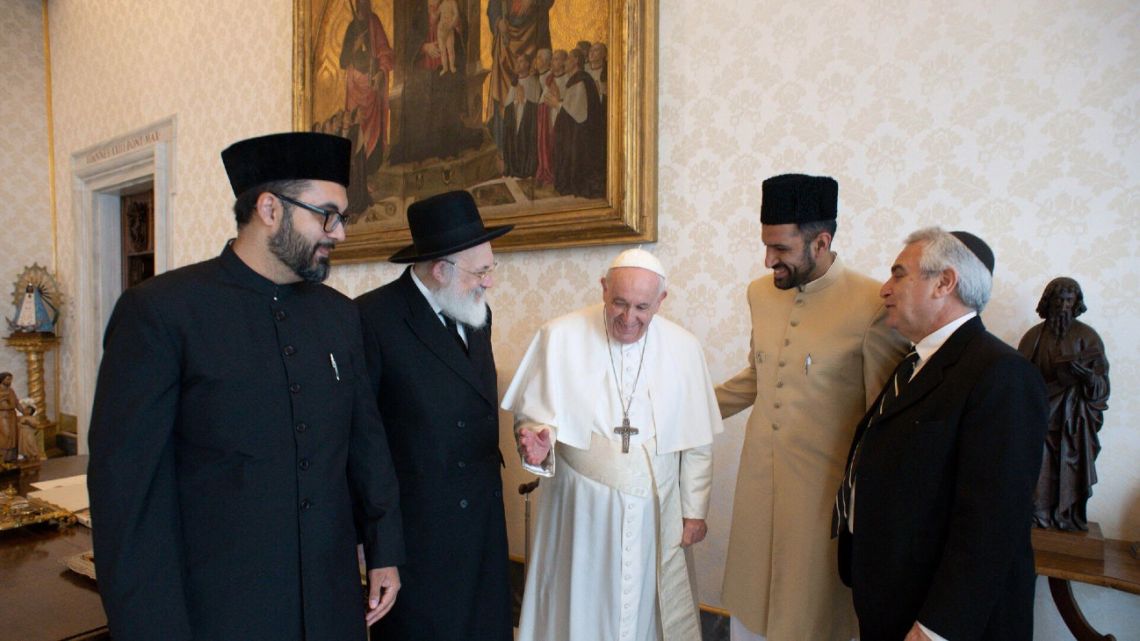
(1071, 357)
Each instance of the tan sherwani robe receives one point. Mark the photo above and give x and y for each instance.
(818, 357)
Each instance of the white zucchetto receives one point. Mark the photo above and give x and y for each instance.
(638, 257)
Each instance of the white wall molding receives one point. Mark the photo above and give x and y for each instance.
(102, 173)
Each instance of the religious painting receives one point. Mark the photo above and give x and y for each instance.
(545, 110)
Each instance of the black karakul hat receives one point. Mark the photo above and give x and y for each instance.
(445, 224)
(798, 198)
(298, 155)
(977, 247)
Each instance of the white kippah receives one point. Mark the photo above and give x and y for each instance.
(638, 257)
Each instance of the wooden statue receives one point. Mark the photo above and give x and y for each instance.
(1071, 357)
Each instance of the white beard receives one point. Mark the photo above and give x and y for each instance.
(469, 309)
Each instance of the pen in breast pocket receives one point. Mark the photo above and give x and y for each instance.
(336, 370)
(807, 364)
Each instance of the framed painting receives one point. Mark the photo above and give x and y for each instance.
(545, 110)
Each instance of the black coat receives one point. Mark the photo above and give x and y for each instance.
(944, 498)
(440, 411)
(226, 450)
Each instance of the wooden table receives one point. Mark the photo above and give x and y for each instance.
(1119, 570)
(42, 599)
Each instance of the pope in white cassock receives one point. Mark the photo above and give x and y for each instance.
(617, 408)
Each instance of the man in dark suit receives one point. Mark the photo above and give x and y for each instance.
(427, 337)
(935, 509)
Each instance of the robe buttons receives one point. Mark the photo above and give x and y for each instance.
(279, 315)
(460, 424)
(301, 427)
(295, 388)
(303, 464)
(775, 426)
(289, 350)
(794, 323)
(306, 504)
(462, 464)
(463, 503)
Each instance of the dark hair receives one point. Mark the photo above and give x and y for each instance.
(4, 375)
(578, 56)
(1056, 286)
(809, 231)
(247, 200)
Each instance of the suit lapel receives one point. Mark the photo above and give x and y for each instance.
(932, 373)
(483, 359)
(427, 327)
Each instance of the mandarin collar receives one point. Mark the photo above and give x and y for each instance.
(832, 276)
(244, 275)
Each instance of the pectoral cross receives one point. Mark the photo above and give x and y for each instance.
(625, 431)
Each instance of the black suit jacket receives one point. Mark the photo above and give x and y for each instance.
(944, 497)
(440, 411)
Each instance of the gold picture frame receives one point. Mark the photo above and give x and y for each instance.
(626, 212)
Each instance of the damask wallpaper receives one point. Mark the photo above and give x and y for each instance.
(26, 234)
(1017, 121)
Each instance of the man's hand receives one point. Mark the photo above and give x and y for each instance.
(383, 584)
(916, 634)
(534, 446)
(694, 532)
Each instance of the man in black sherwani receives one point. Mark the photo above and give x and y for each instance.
(427, 337)
(237, 455)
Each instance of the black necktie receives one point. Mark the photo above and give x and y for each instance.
(903, 373)
(454, 329)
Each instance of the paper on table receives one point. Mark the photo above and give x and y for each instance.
(72, 498)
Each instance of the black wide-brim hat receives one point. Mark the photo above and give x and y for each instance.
(445, 224)
(296, 155)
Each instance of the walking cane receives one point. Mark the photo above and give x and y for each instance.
(525, 489)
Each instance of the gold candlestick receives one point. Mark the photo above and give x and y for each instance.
(34, 345)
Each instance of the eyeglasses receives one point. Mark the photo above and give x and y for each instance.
(332, 216)
(481, 274)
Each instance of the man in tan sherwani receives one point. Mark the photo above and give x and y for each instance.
(819, 354)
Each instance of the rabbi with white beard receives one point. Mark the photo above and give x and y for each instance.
(427, 339)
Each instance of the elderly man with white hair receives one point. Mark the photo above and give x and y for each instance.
(615, 405)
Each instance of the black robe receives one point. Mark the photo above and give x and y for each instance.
(520, 134)
(440, 409)
(580, 153)
(233, 437)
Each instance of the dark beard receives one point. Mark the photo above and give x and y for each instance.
(297, 253)
(1059, 323)
(795, 277)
